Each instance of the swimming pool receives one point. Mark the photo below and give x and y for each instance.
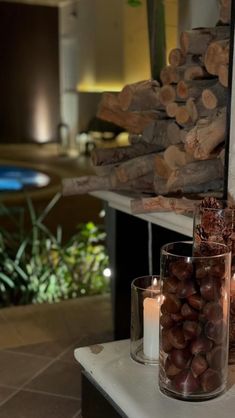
(14, 178)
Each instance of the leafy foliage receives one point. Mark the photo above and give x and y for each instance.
(134, 3)
(37, 267)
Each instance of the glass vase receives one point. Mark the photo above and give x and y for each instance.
(145, 308)
(194, 318)
(218, 225)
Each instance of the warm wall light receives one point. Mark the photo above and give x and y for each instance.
(41, 119)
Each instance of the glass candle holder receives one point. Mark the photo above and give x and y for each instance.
(194, 320)
(218, 224)
(145, 309)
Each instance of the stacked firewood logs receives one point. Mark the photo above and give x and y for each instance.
(177, 127)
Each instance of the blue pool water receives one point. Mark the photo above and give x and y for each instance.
(13, 178)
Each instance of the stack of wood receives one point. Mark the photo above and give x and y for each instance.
(177, 128)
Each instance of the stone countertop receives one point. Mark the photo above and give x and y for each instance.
(134, 387)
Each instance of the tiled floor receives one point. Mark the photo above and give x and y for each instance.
(39, 377)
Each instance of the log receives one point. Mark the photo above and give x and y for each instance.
(167, 95)
(103, 156)
(215, 96)
(176, 57)
(135, 138)
(160, 133)
(216, 54)
(140, 96)
(103, 170)
(194, 174)
(225, 11)
(175, 157)
(163, 204)
(87, 184)
(161, 168)
(208, 133)
(171, 109)
(172, 75)
(134, 168)
(196, 41)
(183, 117)
(197, 110)
(223, 75)
(194, 88)
(134, 122)
(196, 72)
(174, 133)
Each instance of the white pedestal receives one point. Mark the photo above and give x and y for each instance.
(134, 387)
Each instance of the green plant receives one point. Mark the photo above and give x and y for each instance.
(134, 3)
(37, 267)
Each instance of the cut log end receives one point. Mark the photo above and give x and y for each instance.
(176, 57)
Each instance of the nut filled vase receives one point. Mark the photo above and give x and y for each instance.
(194, 320)
(217, 224)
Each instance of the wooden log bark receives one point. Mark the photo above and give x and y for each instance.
(134, 122)
(223, 75)
(103, 156)
(196, 72)
(194, 88)
(161, 133)
(140, 96)
(172, 75)
(163, 204)
(174, 133)
(215, 96)
(87, 184)
(216, 54)
(208, 133)
(136, 167)
(161, 168)
(194, 174)
(196, 41)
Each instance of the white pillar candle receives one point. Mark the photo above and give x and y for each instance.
(151, 328)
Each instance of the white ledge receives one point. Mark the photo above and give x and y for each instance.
(170, 220)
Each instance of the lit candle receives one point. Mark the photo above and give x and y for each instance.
(151, 328)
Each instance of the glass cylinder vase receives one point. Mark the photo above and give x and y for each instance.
(145, 309)
(218, 224)
(194, 318)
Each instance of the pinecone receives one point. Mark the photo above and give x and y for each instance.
(211, 202)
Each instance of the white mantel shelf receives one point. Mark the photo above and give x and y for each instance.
(170, 220)
(134, 388)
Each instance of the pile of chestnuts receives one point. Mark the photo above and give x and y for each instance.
(194, 330)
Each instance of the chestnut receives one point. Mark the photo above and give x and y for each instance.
(198, 365)
(188, 312)
(210, 380)
(212, 311)
(165, 342)
(182, 270)
(184, 382)
(170, 369)
(201, 273)
(215, 331)
(186, 288)
(171, 303)
(201, 345)
(177, 317)
(210, 289)
(191, 329)
(180, 358)
(217, 357)
(170, 285)
(217, 271)
(196, 302)
(176, 337)
(166, 321)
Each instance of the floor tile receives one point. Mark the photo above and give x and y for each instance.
(59, 378)
(5, 393)
(50, 349)
(36, 405)
(9, 336)
(16, 369)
